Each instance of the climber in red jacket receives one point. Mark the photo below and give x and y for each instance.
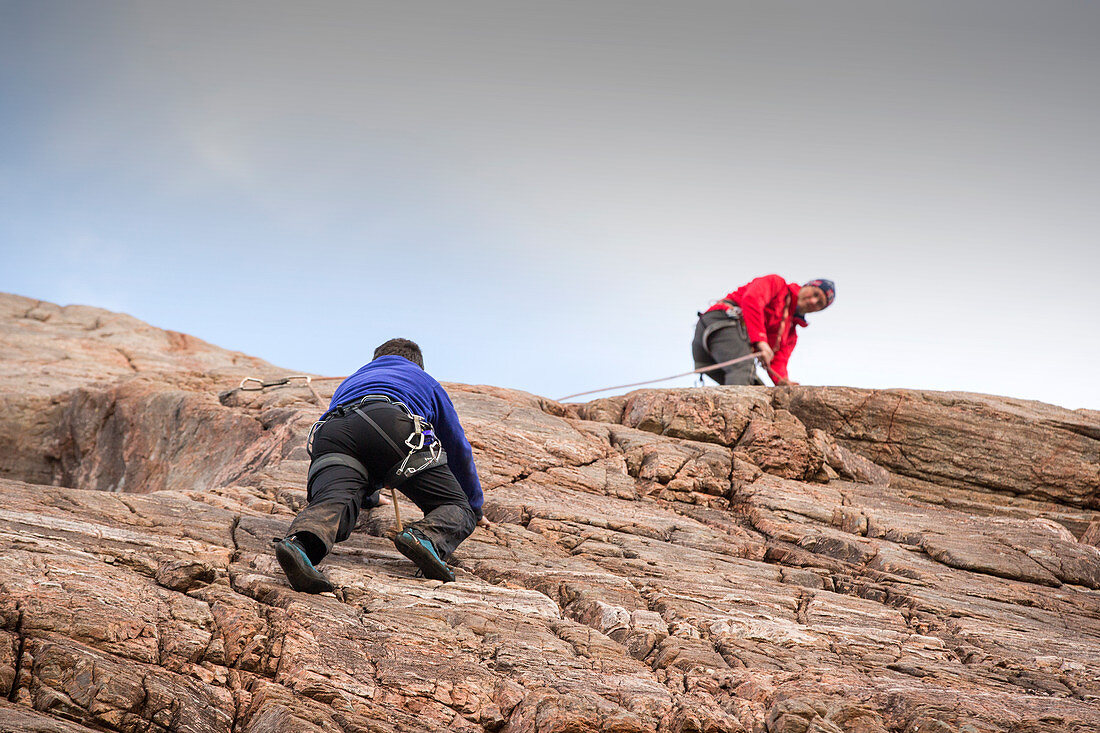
(760, 316)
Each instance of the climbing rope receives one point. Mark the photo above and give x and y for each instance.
(700, 370)
(261, 385)
(253, 384)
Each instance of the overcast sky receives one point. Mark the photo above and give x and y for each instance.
(544, 194)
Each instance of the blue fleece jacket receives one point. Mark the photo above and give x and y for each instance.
(399, 378)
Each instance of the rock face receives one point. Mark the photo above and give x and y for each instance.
(694, 560)
(963, 440)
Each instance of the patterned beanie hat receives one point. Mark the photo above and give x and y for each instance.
(827, 287)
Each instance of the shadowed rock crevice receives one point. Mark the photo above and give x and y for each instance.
(13, 656)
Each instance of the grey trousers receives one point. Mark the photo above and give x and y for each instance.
(721, 336)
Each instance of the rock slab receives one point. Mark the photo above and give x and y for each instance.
(673, 561)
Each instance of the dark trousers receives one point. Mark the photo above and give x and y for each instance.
(720, 336)
(337, 493)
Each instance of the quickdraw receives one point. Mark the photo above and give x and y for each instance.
(261, 385)
(415, 444)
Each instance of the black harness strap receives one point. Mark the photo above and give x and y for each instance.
(343, 410)
(336, 459)
(378, 429)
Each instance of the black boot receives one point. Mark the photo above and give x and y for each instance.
(299, 569)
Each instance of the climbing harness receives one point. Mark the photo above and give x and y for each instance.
(418, 454)
(733, 318)
(418, 457)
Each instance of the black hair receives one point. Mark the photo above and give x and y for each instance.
(401, 347)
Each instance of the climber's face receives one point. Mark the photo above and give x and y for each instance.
(811, 299)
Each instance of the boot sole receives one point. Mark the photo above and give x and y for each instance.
(302, 576)
(423, 559)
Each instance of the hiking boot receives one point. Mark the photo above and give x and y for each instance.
(299, 570)
(420, 551)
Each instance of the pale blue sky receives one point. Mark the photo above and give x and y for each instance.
(544, 194)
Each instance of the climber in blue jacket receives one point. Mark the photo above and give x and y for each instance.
(389, 424)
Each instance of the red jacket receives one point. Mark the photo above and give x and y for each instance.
(766, 304)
